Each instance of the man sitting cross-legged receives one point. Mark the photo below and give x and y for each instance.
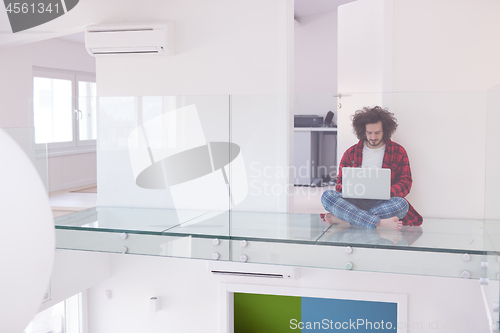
(374, 128)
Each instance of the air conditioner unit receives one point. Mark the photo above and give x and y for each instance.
(154, 38)
(252, 270)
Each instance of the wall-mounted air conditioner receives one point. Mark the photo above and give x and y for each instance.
(231, 268)
(154, 38)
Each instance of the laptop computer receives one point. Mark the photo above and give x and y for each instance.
(366, 183)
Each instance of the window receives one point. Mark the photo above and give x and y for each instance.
(64, 317)
(64, 110)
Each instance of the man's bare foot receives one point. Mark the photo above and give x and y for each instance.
(390, 223)
(332, 219)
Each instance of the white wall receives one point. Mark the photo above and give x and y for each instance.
(364, 44)
(316, 64)
(436, 85)
(76, 271)
(224, 47)
(492, 179)
(227, 47)
(16, 86)
(362, 50)
(189, 295)
(16, 89)
(72, 171)
(436, 61)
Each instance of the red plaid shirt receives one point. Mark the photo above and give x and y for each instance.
(396, 159)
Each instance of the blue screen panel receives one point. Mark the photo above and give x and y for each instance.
(325, 314)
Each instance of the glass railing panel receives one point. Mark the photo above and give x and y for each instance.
(314, 149)
(170, 153)
(447, 168)
(121, 219)
(137, 231)
(428, 125)
(489, 286)
(492, 235)
(37, 153)
(279, 238)
(491, 208)
(260, 130)
(492, 176)
(266, 226)
(445, 183)
(269, 227)
(453, 220)
(468, 236)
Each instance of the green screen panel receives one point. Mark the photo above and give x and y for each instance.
(265, 313)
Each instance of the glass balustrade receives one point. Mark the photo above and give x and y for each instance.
(214, 177)
(38, 155)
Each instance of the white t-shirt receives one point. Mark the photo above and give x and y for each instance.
(373, 157)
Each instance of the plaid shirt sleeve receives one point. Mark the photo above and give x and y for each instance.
(349, 159)
(397, 160)
(342, 164)
(401, 173)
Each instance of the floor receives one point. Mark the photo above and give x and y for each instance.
(306, 199)
(72, 200)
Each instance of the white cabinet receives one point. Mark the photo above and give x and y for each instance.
(314, 155)
(305, 156)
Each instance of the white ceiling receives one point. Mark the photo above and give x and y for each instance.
(312, 7)
(75, 38)
(302, 8)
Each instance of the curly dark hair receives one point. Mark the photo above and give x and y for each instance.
(371, 116)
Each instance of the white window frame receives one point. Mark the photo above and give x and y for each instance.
(75, 146)
(82, 77)
(75, 315)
